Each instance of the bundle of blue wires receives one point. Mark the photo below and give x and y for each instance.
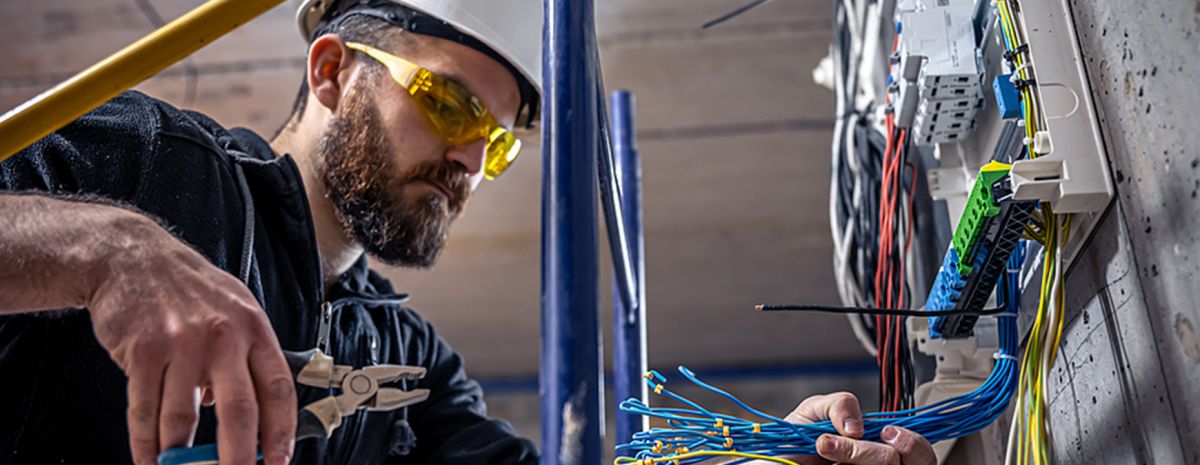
(693, 430)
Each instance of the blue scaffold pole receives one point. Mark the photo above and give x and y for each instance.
(570, 378)
(629, 324)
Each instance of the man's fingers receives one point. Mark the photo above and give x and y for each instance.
(237, 407)
(145, 394)
(845, 414)
(180, 403)
(912, 447)
(856, 452)
(276, 402)
(206, 396)
(840, 408)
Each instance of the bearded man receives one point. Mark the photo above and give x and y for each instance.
(155, 261)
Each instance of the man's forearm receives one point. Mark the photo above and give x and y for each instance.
(54, 252)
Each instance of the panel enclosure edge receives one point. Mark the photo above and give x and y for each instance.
(1074, 176)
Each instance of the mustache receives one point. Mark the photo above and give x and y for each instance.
(446, 175)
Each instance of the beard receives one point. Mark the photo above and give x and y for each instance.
(398, 226)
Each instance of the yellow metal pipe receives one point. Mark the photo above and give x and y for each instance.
(55, 108)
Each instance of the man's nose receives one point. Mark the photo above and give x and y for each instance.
(469, 156)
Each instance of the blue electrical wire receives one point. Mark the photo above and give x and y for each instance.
(695, 428)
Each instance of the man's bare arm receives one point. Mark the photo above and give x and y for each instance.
(54, 251)
(171, 320)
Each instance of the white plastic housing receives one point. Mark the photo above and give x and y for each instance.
(1074, 176)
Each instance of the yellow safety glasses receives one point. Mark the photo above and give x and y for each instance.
(454, 113)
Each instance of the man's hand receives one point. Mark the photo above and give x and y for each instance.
(176, 324)
(900, 447)
(172, 321)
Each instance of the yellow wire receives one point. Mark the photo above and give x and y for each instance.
(1031, 394)
(701, 453)
(1042, 349)
(1031, 431)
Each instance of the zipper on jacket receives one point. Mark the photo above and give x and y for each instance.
(323, 328)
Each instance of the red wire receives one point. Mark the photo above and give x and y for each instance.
(889, 329)
(894, 324)
(883, 324)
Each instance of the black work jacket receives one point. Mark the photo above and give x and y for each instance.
(63, 400)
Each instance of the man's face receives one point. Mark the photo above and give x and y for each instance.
(396, 184)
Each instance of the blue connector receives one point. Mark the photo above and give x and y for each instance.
(947, 288)
(1008, 102)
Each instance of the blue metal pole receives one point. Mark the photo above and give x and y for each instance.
(571, 373)
(629, 327)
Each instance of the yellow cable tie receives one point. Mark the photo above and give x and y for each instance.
(729, 443)
(757, 428)
(720, 421)
(726, 431)
(658, 389)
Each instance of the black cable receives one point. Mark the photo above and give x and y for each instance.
(873, 310)
(735, 13)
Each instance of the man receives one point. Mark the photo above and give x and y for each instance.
(191, 254)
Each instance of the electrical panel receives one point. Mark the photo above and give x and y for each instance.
(1070, 170)
(937, 79)
(989, 100)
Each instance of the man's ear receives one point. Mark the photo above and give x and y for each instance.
(328, 69)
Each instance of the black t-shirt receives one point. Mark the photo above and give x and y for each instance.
(63, 400)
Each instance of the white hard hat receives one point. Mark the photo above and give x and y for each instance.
(509, 30)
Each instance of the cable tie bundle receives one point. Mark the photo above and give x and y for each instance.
(1000, 356)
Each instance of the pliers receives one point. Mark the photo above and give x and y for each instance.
(360, 389)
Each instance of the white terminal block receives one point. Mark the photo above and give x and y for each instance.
(942, 121)
(967, 105)
(942, 137)
(944, 34)
(1073, 172)
(939, 34)
(962, 110)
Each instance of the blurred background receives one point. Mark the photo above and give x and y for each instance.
(734, 137)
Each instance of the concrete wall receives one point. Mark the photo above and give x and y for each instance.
(1126, 386)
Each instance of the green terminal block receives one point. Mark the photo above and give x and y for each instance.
(980, 207)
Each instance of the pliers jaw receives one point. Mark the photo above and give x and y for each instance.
(360, 390)
(386, 398)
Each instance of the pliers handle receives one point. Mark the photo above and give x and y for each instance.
(360, 390)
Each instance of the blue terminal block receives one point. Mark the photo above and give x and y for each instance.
(948, 286)
(1008, 101)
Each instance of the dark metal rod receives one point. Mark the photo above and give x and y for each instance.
(629, 324)
(570, 377)
(615, 220)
